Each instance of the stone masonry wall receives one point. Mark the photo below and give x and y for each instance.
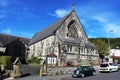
(59, 70)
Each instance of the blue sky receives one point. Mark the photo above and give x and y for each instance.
(26, 17)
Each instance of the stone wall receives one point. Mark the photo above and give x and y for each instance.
(59, 70)
(42, 48)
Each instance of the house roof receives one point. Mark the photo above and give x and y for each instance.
(48, 31)
(6, 39)
(52, 55)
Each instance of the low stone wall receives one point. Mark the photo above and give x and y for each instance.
(59, 70)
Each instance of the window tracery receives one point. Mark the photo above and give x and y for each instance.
(72, 31)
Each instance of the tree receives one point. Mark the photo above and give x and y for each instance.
(101, 46)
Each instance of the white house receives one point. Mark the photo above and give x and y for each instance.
(115, 52)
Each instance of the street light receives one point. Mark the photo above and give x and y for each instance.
(109, 40)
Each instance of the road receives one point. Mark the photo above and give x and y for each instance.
(100, 76)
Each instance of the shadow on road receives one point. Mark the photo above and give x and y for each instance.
(25, 75)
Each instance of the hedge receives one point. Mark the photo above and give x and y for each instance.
(6, 61)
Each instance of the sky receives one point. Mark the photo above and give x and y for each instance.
(100, 18)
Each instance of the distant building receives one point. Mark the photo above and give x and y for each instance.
(115, 52)
(13, 46)
(114, 55)
(2, 49)
(66, 41)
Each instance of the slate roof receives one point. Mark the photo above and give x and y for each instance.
(50, 30)
(6, 39)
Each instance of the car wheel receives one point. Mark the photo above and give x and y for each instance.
(117, 70)
(100, 71)
(82, 75)
(93, 73)
(110, 71)
(74, 76)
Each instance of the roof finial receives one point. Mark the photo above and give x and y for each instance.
(72, 6)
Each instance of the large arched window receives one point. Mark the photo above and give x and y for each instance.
(72, 30)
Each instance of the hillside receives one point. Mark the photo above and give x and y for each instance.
(114, 42)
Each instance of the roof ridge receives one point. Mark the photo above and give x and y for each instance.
(51, 29)
(13, 36)
(6, 39)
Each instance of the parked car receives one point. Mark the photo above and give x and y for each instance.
(118, 65)
(83, 71)
(108, 67)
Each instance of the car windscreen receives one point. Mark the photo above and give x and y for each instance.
(103, 65)
(78, 68)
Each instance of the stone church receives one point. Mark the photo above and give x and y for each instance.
(64, 41)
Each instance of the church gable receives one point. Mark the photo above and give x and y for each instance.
(72, 28)
(66, 26)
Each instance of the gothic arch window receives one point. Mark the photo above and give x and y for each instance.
(72, 30)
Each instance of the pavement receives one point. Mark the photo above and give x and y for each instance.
(56, 77)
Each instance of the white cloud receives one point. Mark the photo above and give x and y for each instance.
(17, 33)
(59, 13)
(8, 7)
(7, 31)
(107, 25)
(100, 18)
(113, 26)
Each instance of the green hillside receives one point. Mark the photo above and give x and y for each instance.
(114, 42)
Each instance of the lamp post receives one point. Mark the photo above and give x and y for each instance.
(109, 43)
(109, 40)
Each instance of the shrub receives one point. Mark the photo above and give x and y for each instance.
(28, 61)
(91, 63)
(33, 60)
(57, 73)
(69, 63)
(38, 71)
(51, 74)
(6, 61)
(61, 72)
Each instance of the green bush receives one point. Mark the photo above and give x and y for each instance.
(52, 74)
(61, 72)
(91, 63)
(38, 71)
(33, 60)
(6, 61)
(57, 73)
